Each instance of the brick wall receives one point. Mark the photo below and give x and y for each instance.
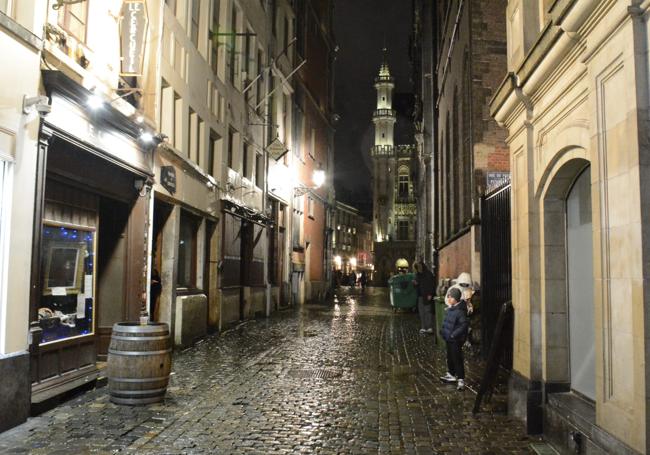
(489, 64)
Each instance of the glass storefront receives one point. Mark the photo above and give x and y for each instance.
(67, 273)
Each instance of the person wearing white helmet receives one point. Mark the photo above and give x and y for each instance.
(465, 285)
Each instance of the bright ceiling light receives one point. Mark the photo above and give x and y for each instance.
(146, 137)
(95, 102)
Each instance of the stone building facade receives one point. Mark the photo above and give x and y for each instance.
(575, 103)
(313, 146)
(21, 25)
(147, 171)
(352, 241)
(469, 149)
(394, 211)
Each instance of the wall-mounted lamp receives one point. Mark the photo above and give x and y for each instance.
(94, 100)
(148, 138)
(40, 104)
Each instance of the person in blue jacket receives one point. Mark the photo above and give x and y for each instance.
(454, 332)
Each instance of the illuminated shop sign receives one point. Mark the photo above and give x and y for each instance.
(132, 35)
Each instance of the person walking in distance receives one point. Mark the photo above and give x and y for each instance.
(454, 331)
(424, 284)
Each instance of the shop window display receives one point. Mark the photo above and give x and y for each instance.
(67, 275)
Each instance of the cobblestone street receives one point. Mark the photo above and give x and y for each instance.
(351, 377)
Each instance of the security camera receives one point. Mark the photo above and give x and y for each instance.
(39, 103)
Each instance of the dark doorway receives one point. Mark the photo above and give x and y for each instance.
(112, 266)
(161, 213)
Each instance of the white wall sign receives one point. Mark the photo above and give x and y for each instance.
(133, 34)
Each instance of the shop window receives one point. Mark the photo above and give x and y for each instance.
(194, 25)
(187, 251)
(259, 170)
(73, 19)
(66, 307)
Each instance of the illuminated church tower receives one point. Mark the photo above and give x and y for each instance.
(383, 156)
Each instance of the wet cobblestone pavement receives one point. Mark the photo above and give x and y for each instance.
(346, 378)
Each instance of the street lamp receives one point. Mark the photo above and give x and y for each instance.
(318, 178)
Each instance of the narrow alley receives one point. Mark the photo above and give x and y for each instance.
(348, 377)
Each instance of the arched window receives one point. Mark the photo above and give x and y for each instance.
(403, 182)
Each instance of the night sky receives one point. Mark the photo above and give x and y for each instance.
(362, 27)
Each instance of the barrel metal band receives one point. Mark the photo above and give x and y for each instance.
(161, 378)
(123, 338)
(139, 353)
(137, 392)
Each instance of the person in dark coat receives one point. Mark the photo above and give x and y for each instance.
(425, 287)
(454, 332)
(363, 280)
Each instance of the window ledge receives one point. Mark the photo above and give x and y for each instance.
(183, 291)
(20, 32)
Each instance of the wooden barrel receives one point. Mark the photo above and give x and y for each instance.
(139, 363)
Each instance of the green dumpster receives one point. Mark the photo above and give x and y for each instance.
(402, 291)
(440, 307)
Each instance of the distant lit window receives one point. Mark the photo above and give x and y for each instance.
(403, 185)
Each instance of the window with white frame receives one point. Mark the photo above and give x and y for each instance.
(6, 6)
(73, 18)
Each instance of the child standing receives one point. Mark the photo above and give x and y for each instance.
(454, 332)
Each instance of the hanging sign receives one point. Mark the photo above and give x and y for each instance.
(168, 178)
(133, 34)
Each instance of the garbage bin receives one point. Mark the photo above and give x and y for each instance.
(402, 291)
(440, 307)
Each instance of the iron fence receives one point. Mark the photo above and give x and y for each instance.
(496, 268)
